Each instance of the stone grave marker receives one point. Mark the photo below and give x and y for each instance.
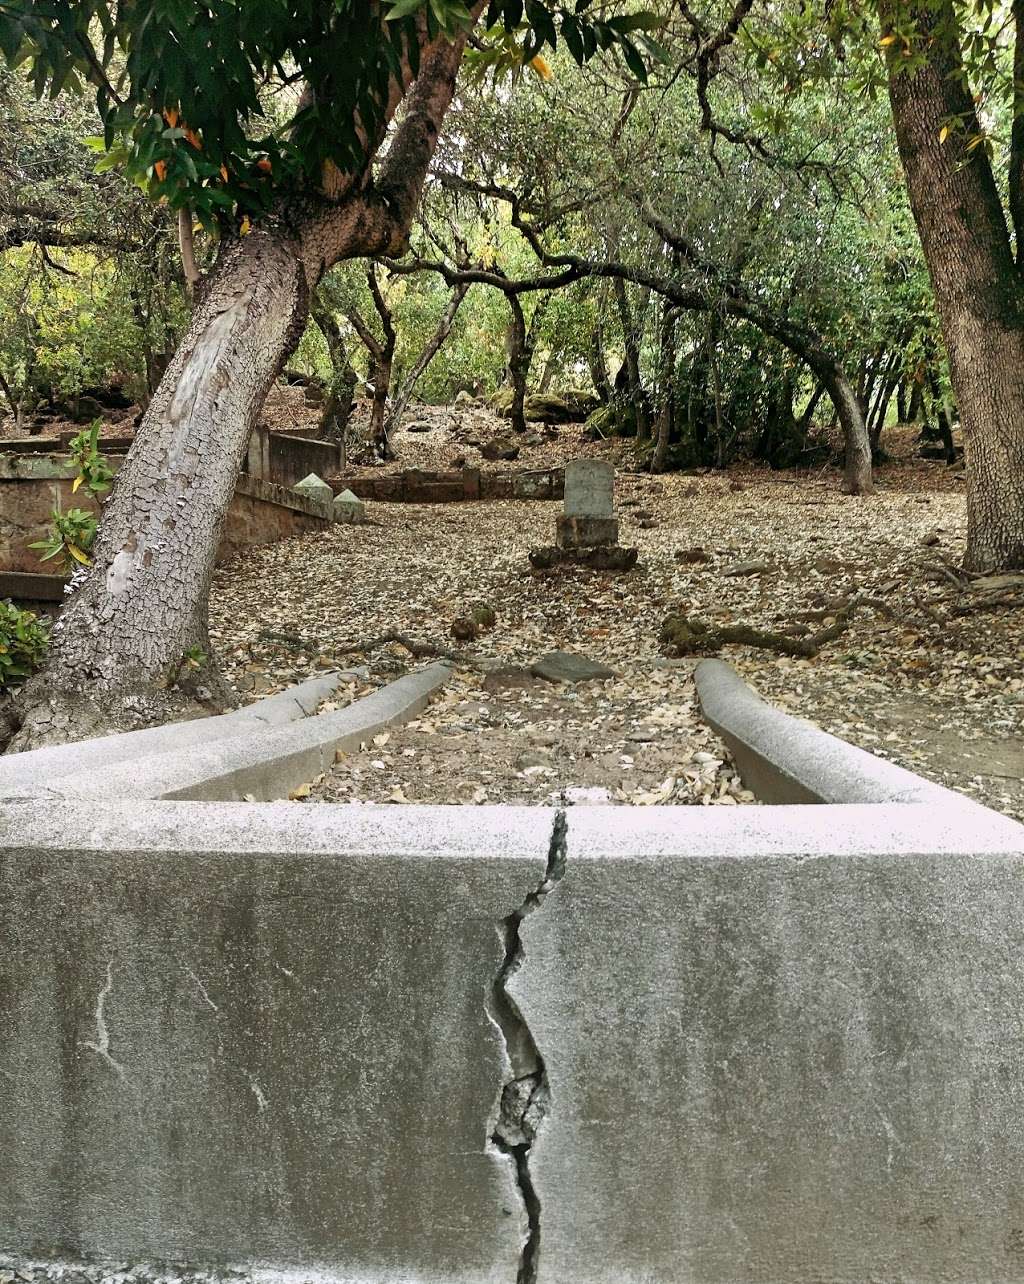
(587, 531)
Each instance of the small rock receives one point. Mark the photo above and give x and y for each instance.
(746, 568)
(692, 555)
(464, 398)
(737, 487)
(499, 448)
(580, 796)
(483, 616)
(421, 425)
(931, 539)
(566, 666)
(463, 630)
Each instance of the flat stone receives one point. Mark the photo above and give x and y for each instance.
(745, 568)
(692, 556)
(589, 489)
(567, 666)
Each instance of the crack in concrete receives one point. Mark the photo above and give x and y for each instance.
(101, 1044)
(525, 1094)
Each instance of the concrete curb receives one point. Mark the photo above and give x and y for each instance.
(37, 770)
(786, 760)
(265, 766)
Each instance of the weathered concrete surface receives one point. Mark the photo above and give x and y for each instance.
(263, 766)
(259, 1036)
(786, 760)
(589, 489)
(38, 770)
(783, 1045)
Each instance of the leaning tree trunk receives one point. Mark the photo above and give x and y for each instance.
(858, 479)
(977, 286)
(429, 351)
(135, 631)
(137, 623)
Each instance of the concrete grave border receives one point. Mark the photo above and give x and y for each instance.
(745, 1044)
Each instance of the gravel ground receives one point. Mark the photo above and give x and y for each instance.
(919, 682)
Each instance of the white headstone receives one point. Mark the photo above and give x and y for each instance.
(589, 488)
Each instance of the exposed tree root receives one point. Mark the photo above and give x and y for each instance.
(418, 649)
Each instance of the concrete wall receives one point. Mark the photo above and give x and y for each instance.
(781, 1045)
(32, 485)
(263, 513)
(417, 486)
(285, 458)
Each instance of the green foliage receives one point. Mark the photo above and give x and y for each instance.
(93, 471)
(23, 639)
(72, 535)
(181, 87)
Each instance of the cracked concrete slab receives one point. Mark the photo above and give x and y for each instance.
(781, 1046)
(261, 1045)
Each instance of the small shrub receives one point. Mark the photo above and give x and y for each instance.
(23, 640)
(93, 471)
(72, 535)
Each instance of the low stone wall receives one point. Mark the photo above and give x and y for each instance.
(263, 513)
(417, 486)
(32, 486)
(285, 458)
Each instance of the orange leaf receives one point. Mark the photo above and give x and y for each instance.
(160, 169)
(194, 139)
(264, 164)
(224, 173)
(171, 116)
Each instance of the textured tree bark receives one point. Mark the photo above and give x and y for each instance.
(137, 622)
(977, 285)
(520, 355)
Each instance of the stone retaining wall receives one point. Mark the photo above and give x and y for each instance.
(31, 487)
(417, 486)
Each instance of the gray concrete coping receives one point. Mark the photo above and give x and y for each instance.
(259, 767)
(38, 769)
(787, 760)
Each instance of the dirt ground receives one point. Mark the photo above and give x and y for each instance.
(925, 676)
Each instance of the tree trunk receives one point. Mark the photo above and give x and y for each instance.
(967, 247)
(858, 478)
(135, 631)
(430, 350)
(137, 623)
(665, 413)
(520, 354)
(340, 402)
(598, 367)
(381, 380)
(631, 346)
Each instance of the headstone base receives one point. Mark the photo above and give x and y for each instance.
(599, 557)
(586, 532)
